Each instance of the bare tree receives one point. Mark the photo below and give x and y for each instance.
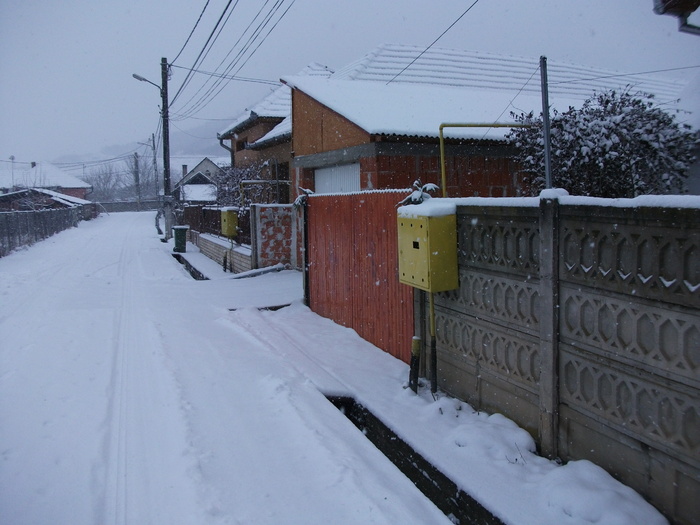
(106, 183)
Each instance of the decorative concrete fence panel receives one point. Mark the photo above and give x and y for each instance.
(580, 320)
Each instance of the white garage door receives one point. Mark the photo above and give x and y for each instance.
(338, 179)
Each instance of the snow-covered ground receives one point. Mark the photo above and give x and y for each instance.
(130, 393)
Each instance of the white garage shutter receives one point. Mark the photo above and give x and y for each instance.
(338, 179)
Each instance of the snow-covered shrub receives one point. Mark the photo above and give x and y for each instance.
(616, 145)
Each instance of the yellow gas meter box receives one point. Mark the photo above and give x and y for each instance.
(229, 222)
(428, 252)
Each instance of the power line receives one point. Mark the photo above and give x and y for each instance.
(512, 100)
(209, 94)
(433, 42)
(230, 77)
(625, 75)
(191, 32)
(187, 77)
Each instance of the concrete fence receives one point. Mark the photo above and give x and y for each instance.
(581, 322)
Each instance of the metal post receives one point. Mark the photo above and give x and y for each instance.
(545, 122)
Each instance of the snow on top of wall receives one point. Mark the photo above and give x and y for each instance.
(441, 206)
(404, 191)
(42, 175)
(277, 104)
(448, 85)
(429, 208)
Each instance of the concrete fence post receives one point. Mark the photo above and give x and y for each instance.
(549, 326)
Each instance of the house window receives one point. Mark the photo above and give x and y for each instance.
(240, 145)
(338, 179)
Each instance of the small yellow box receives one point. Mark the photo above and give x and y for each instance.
(428, 252)
(229, 223)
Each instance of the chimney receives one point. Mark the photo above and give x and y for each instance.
(184, 170)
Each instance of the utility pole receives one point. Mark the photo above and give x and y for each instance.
(137, 181)
(166, 126)
(545, 123)
(155, 164)
(167, 197)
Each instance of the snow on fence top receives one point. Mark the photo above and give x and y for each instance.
(440, 206)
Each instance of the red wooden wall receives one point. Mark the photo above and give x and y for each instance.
(353, 267)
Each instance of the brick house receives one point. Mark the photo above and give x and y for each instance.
(375, 123)
(259, 141)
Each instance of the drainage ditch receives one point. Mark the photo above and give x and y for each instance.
(194, 272)
(459, 506)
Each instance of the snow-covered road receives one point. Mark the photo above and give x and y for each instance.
(127, 395)
(132, 394)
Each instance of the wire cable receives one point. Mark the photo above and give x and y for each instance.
(433, 42)
(211, 35)
(191, 32)
(512, 100)
(231, 77)
(210, 92)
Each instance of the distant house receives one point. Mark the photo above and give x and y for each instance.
(200, 184)
(260, 142)
(21, 175)
(37, 199)
(375, 123)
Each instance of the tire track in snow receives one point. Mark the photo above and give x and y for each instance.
(275, 337)
(115, 500)
(144, 469)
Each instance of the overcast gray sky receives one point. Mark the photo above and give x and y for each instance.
(66, 86)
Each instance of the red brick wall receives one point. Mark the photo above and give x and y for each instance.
(79, 193)
(274, 234)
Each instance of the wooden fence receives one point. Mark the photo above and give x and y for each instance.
(353, 267)
(22, 228)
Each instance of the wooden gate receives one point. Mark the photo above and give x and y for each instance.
(353, 267)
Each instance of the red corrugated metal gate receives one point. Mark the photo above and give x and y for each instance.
(353, 267)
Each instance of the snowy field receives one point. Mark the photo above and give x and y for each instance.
(132, 394)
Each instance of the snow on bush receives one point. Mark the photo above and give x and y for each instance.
(617, 145)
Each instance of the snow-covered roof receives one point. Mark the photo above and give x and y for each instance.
(199, 192)
(277, 104)
(40, 175)
(68, 200)
(280, 131)
(446, 85)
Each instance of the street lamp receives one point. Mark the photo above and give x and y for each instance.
(163, 88)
